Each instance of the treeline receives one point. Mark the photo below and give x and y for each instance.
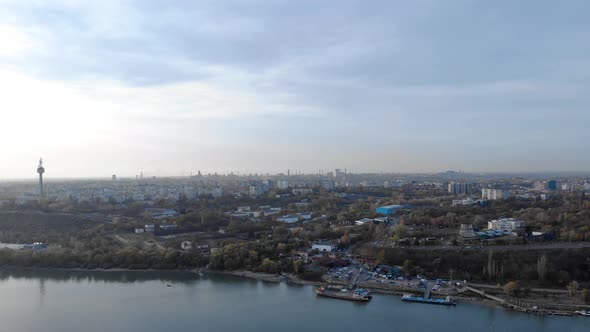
(103, 259)
(255, 257)
(555, 267)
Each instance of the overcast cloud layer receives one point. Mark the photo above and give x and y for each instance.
(261, 86)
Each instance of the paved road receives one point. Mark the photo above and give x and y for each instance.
(575, 245)
(549, 290)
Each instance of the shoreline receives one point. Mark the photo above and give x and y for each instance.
(266, 277)
(290, 279)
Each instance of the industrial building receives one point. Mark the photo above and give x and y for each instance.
(388, 210)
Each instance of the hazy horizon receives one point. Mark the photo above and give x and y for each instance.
(119, 87)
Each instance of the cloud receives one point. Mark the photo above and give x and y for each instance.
(414, 78)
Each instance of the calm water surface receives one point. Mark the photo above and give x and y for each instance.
(51, 301)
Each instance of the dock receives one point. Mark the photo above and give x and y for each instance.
(521, 306)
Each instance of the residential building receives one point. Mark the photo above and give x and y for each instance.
(323, 247)
(494, 194)
(459, 188)
(258, 190)
(505, 224)
(283, 184)
(553, 185)
(289, 219)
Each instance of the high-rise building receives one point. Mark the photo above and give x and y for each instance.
(41, 170)
(494, 194)
(553, 185)
(459, 188)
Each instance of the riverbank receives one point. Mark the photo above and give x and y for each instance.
(385, 289)
(463, 296)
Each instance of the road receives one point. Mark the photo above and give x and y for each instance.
(548, 290)
(567, 245)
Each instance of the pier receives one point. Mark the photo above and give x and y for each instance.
(521, 306)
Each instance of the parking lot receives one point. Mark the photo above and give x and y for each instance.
(357, 274)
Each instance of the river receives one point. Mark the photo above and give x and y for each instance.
(66, 301)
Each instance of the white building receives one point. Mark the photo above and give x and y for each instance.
(467, 201)
(282, 184)
(323, 247)
(494, 194)
(258, 190)
(363, 221)
(289, 219)
(505, 224)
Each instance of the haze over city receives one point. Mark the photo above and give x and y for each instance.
(122, 86)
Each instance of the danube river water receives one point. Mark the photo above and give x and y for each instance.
(52, 301)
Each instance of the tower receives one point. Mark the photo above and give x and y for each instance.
(41, 170)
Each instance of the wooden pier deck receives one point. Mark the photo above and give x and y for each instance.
(520, 305)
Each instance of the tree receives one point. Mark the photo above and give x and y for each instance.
(585, 297)
(401, 230)
(268, 265)
(407, 267)
(280, 232)
(511, 288)
(344, 240)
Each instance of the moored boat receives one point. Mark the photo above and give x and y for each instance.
(359, 294)
(419, 299)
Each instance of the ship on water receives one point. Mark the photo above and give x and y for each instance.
(358, 294)
(419, 299)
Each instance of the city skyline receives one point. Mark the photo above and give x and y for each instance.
(292, 173)
(117, 87)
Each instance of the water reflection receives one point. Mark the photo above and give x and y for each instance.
(78, 276)
(42, 291)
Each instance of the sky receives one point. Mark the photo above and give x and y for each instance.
(172, 87)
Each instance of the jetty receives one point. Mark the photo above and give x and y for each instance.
(521, 306)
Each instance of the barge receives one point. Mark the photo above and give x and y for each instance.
(419, 299)
(358, 295)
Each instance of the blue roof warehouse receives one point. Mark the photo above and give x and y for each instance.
(388, 210)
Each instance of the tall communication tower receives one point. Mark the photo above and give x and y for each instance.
(41, 170)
